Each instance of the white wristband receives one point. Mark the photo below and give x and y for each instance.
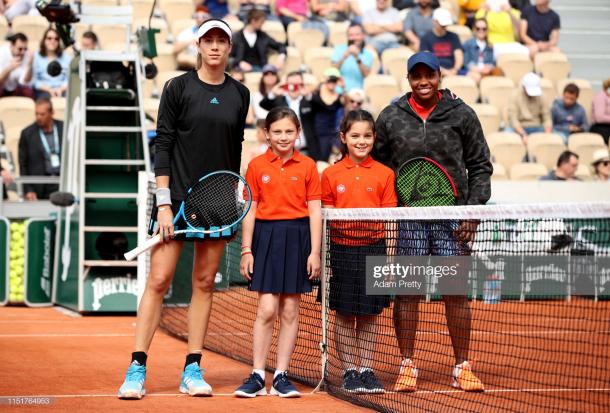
(163, 196)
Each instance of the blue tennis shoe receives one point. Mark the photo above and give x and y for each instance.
(192, 382)
(283, 387)
(133, 386)
(253, 386)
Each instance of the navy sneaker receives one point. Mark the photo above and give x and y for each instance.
(352, 383)
(283, 387)
(371, 383)
(253, 386)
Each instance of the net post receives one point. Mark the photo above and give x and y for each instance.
(324, 343)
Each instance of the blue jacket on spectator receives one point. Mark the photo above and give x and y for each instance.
(564, 116)
(471, 54)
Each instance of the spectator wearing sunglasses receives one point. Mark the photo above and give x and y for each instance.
(16, 67)
(479, 58)
(601, 165)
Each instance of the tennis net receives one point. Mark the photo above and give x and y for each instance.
(536, 282)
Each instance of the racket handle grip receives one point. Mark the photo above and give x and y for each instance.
(151, 242)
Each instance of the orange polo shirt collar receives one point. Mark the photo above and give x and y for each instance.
(272, 157)
(349, 164)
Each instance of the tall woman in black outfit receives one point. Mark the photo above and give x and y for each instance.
(200, 129)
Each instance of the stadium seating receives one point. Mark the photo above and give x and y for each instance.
(584, 144)
(151, 108)
(545, 148)
(527, 171)
(32, 26)
(552, 66)
(292, 63)
(515, 66)
(506, 148)
(163, 77)
(180, 24)
(142, 9)
(548, 91)
(489, 117)
(59, 108)
(252, 80)
(176, 9)
(381, 90)
(156, 23)
(3, 27)
(585, 97)
(583, 172)
(499, 173)
(497, 90)
(317, 60)
(338, 33)
(11, 141)
(394, 62)
(463, 32)
(165, 59)
(463, 86)
(305, 39)
(16, 111)
(275, 29)
(111, 33)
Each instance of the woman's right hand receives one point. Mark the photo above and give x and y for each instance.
(246, 266)
(165, 220)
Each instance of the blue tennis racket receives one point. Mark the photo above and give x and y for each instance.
(217, 202)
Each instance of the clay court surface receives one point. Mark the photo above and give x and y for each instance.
(79, 364)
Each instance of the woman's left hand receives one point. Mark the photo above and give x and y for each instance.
(313, 266)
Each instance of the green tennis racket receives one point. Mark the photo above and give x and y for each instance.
(422, 182)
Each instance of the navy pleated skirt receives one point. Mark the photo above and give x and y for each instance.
(280, 249)
(347, 293)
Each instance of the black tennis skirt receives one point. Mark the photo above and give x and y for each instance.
(347, 293)
(181, 224)
(280, 249)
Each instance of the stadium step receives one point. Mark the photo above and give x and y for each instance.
(92, 228)
(583, 17)
(113, 129)
(110, 263)
(117, 162)
(111, 195)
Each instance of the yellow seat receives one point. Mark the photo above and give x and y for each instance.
(552, 65)
(16, 111)
(545, 148)
(506, 148)
(394, 62)
(515, 66)
(381, 90)
(462, 86)
(463, 32)
(489, 116)
(499, 173)
(275, 29)
(318, 59)
(584, 144)
(32, 26)
(497, 90)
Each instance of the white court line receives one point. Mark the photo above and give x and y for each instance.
(308, 394)
(67, 335)
(75, 396)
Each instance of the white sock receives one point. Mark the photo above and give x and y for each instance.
(363, 369)
(404, 363)
(277, 373)
(260, 373)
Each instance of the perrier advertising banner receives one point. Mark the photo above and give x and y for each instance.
(40, 248)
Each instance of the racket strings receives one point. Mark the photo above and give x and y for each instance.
(421, 183)
(215, 201)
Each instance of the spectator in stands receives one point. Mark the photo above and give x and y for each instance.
(418, 23)
(246, 5)
(326, 104)
(51, 50)
(218, 9)
(354, 99)
(89, 41)
(444, 44)
(528, 112)
(185, 46)
(567, 164)
(352, 59)
(601, 165)
(261, 139)
(269, 80)
(383, 24)
(13, 8)
(600, 115)
(294, 94)
(40, 150)
(238, 74)
(357, 9)
(567, 114)
(468, 10)
(291, 11)
(251, 45)
(479, 58)
(16, 67)
(540, 28)
(7, 179)
(329, 10)
(502, 21)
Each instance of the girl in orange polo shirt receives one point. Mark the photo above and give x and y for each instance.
(357, 181)
(281, 238)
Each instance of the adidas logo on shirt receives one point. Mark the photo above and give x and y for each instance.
(214, 101)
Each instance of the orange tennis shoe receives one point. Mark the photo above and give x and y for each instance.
(407, 378)
(463, 378)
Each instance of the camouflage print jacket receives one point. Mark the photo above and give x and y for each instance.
(452, 136)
